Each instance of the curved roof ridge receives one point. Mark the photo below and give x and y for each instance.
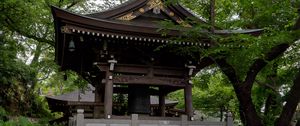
(131, 5)
(120, 5)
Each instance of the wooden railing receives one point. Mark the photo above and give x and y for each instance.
(135, 120)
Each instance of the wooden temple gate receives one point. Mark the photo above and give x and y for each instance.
(121, 51)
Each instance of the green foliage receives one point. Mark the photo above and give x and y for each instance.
(26, 56)
(19, 122)
(276, 18)
(256, 49)
(62, 82)
(23, 121)
(15, 77)
(211, 93)
(35, 17)
(6, 119)
(218, 94)
(122, 101)
(178, 96)
(3, 114)
(240, 50)
(29, 32)
(264, 96)
(233, 14)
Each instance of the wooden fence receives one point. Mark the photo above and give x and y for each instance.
(135, 120)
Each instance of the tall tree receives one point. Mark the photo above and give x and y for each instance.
(29, 28)
(26, 51)
(243, 57)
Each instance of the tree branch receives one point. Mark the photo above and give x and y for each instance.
(212, 15)
(261, 63)
(267, 85)
(297, 24)
(60, 3)
(11, 26)
(293, 97)
(46, 77)
(289, 108)
(228, 70)
(75, 2)
(204, 62)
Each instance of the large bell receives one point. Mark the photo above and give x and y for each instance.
(138, 99)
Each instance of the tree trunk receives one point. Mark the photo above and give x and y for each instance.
(35, 61)
(221, 114)
(37, 53)
(292, 101)
(271, 104)
(212, 15)
(242, 115)
(243, 89)
(268, 104)
(248, 112)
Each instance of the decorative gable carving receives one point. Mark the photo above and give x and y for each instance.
(127, 17)
(156, 6)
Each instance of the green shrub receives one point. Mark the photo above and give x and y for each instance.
(3, 114)
(21, 121)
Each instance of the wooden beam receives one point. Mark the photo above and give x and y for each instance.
(144, 80)
(144, 69)
(124, 90)
(75, 103)
(132, 68)
(169, 72)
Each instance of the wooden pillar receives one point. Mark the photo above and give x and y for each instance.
(188, 101)
(188, 94)
(108, 100)
(162, 104)
(98, 110)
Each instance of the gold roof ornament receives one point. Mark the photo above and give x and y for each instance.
(156, 5)
(171, 14)
(127, 17)
(64, 29)
(142, 10)
(183, 23)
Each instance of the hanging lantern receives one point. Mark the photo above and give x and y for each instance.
(71, 45)
(81, 39)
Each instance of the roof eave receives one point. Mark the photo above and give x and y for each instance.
(106, 25)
